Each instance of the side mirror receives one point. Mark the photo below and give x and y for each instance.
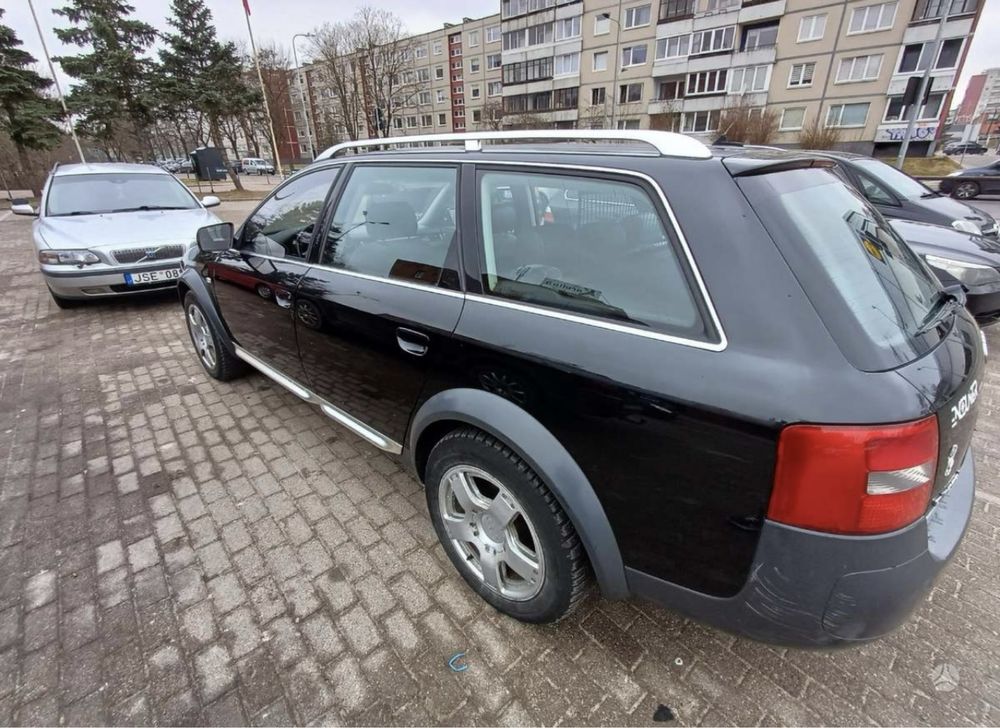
(215, 238)
(24, 208)
(211, 201)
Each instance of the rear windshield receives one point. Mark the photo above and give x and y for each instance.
(872, 292)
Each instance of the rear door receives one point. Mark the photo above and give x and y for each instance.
(375, 311)
(255, 282)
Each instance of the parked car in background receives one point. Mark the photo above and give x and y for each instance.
(965, 148)
(971, 261)
(642, 358)
(965, 184)
(106, 230)
(897, 195)
(255, 165)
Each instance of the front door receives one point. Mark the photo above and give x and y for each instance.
(373, 314)
(255, 281)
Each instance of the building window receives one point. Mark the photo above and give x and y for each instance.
(716, 5)
(441, 97)
(700, 121)
(812, 27)
(602, 26)
(931, 9)
(474, 65)
(801, 75)
(477, 115)
(427, 120)
(759, 36)
(494, 60)
(676, 46)
(675, 9)
(633, 55)
(423, 75)
(847, 114)
(473, 38)
(628, 124)
(458, 90)
(600, 61)
(538, 34)
(494, 88)
(475, 91)
(439, 73)
(437, 48)
(566, 98)
(567, 64)
(541, 101)
(706, 82)
(871, 18)
(456, 51)
(421, 51)
(598, 96)
(454, 39)
(568, 28)
(456, 77)
(859, 68)
(670, 90)
(896, 111)
(637, 17)
(713, 41)
(424, 97)
(916, 56)
(493, 34)
(749, 79)
(397, 122)
(792, 118)
(525, 71)
(442, 120)
(411, 122)
(629, 93)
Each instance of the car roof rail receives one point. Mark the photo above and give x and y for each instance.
(663, 143)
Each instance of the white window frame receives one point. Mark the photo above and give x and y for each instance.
(438, 48)
(411, 122)
(566, 58)
(883, 9)
(600, 22)
(420, 51)
(629, 16)
(631, 53)
(424, 95)
(719, 88)
(439, 73)
(922, 113)
(816, 20)
(628, 86)
(442, 119)
(601, 56)
(693, 115)
(475, 64)
(802, 123)
(489, 61)
(865, 62)
(741, 72)
(715, 33)
(494, 86)
(683, 46)
(493, 34)
(442, 96)
(575, 28)
(423, 117)
(802, 74)
(474, 91)
(840, 115)
(473, 38)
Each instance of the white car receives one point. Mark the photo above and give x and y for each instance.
(107, 230)
(255, 165)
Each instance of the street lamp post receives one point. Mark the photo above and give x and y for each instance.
(303, 90)
(617, 59)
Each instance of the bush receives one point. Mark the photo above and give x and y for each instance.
(819, 136)
(747, 124)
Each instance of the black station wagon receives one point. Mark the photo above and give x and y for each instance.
(713, 378)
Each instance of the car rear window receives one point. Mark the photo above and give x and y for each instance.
(872, 292)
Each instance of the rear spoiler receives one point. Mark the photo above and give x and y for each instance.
(752, 166)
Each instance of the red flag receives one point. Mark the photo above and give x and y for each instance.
(246, 6)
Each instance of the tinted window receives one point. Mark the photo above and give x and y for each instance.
(283, 226)
(592, 247)
(875, 192)
(87, 194)
(871, 290)
(394, 222)
(902, 184)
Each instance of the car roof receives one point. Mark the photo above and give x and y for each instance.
(65, 170)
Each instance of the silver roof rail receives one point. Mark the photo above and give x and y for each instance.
(665, 143)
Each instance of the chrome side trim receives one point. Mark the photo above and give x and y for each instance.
(336, 414)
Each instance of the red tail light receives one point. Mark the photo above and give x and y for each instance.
(854, 480)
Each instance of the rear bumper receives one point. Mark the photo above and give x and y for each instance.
(812, 589)
(106, 282)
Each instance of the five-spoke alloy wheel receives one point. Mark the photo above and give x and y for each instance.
(209, 342)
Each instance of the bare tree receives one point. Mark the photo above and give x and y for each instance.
(819, 136)
(333, 50)
(749, 124)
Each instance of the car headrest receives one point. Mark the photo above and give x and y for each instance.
(391, 219)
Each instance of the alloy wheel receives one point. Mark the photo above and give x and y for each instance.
(491, 532)
(201, 335)
(966, 190)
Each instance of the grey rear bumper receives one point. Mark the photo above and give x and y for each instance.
(813, 589)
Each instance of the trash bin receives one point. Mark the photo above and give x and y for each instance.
(207, 164)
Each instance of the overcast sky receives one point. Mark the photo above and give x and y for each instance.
(278, 20)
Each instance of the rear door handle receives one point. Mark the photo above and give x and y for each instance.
(412, 342)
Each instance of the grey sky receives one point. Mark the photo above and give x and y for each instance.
(278, 20)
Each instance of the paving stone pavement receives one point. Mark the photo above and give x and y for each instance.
(176, 550)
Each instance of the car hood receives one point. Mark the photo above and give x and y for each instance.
(953, 209)
(122, 228)
(926, 239)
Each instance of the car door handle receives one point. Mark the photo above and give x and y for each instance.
(283, 299)
(412, 342)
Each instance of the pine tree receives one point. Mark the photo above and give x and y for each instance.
(200, 74)
(113, 89)
(26, 114)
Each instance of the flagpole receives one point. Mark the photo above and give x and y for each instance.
(263, 90)
(55, 79)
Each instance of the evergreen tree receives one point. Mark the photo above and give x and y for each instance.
(112, 92)
(202, 75)
(26, 114)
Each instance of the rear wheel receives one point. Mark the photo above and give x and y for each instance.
(503, 529)
(209, 342)
(966, 190)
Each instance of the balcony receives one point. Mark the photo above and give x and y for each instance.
(932, 10)
(754, 56)
(671, 10)
(751, 12)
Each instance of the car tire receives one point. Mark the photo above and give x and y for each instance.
(64, 302)
(965, 191)
(536, 569)
(209, 342)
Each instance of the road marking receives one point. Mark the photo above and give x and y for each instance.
(988, 497)
(4, 216)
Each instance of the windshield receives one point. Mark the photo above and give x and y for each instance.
(89, 194)
(870, 289)
(902, 184)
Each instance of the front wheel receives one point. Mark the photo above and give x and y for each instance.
(209, 342)
(503, 529)
(966, 190)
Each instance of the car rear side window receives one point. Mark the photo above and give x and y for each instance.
(585, 246)
(870, 289)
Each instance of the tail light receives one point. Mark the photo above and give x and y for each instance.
(854, 480)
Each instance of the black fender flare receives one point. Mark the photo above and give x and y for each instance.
(547, 457)
(191, 280)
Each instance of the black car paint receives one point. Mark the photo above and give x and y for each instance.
(674, 444)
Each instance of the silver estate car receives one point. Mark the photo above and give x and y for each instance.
(113, 229)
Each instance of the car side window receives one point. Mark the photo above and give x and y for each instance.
(875, 192)
(394, 222)
(586, 246)
(282, 227)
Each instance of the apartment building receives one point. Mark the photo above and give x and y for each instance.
(978, 115)
(681, 64)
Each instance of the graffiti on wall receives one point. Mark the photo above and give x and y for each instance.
(921, 133)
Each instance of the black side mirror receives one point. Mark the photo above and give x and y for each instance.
(215, 238)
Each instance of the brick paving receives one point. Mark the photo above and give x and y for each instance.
(175, 550)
